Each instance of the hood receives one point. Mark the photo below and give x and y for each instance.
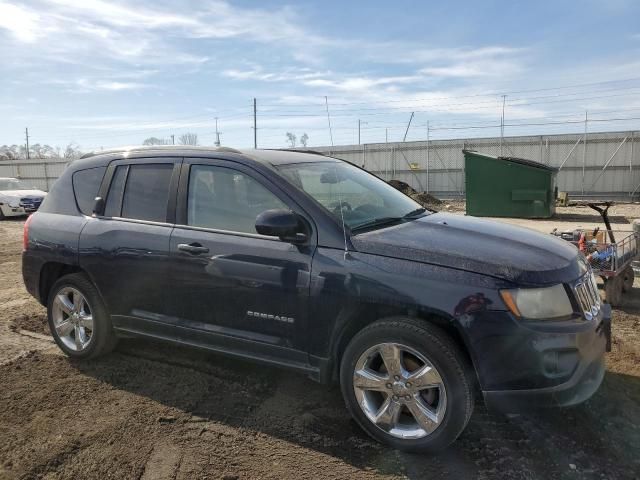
(508, 252)
(23, 193)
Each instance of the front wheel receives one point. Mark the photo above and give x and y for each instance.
(78, 319)
(405, 383)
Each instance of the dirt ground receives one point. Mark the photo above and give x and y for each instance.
(152, 411)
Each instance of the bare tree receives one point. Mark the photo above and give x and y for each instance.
(304, 139)
(188, 139)
(72, 152)
(291, 138)
(156, 141)
(10, 152)
(42, 151)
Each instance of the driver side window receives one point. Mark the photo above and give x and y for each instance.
(225, 199)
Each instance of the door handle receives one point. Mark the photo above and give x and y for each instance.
(192, 248)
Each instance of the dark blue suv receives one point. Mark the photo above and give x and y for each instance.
(303, 261)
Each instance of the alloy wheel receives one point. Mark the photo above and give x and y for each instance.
(400, 391)
(72, 319)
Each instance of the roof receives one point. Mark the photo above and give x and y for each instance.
(521, 161)
(272, 157)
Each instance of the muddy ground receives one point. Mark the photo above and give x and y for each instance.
(152, 411)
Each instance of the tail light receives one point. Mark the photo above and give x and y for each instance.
(25, 234)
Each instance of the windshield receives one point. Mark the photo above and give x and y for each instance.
(13, 184)
(348, 192)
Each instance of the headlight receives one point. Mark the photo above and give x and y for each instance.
(14, 203)
(538, 303)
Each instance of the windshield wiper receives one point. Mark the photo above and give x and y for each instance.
(415, 212)
(380, 221)
(376, 222)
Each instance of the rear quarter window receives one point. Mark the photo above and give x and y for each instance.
(85, 187)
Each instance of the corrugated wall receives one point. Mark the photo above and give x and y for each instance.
(38, 173)
(607, 165)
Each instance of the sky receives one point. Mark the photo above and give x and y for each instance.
(103, 73)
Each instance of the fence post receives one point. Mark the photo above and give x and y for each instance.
(633, 140)
(46, 175)
(584, 151)
(428, 145)
(364, 155)
(393, 162)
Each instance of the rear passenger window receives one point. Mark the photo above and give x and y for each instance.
(147, 192)
(85, 187)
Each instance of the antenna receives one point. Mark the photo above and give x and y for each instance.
(326, 102)
(217, 134)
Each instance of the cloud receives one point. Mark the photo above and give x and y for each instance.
(287, 74)
(20, 22)
(489, 68)
(360, 83)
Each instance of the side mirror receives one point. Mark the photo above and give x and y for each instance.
(283, 224)
(98, 207)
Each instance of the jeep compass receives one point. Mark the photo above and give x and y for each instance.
(298, 260)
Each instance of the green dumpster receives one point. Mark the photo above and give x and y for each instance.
(508, 186)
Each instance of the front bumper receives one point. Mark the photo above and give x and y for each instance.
(563, 368)
(9, 211)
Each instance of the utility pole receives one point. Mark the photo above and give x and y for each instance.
(255, 124)
(504, 100)
(326, 102)
(217, 134)
(386, 135)
(26, 136)
(173, 139)
(408, 125)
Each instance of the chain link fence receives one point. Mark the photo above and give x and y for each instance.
(596, 165)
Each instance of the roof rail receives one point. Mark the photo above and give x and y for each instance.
(141, 148)
(297, 150)
(227, 149)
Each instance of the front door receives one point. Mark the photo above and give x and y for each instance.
(249, 291)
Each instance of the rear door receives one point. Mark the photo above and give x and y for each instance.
(126, 250)
(249, 291)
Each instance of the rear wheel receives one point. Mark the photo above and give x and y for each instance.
(78, 320)
(405, 383)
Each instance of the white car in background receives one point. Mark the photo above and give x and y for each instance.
(17, 199)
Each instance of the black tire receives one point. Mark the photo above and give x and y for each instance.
(103, 339)
(628, 276)
(445, 356)
(2, 217)
(613, 287)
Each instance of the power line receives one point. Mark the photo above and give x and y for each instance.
(487, 94)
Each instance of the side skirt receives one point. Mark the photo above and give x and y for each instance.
(223, 344)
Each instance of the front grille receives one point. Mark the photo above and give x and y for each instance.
(30, 204)
(588, 296)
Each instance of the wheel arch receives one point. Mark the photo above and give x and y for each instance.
(367, 314)
(49, 274)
